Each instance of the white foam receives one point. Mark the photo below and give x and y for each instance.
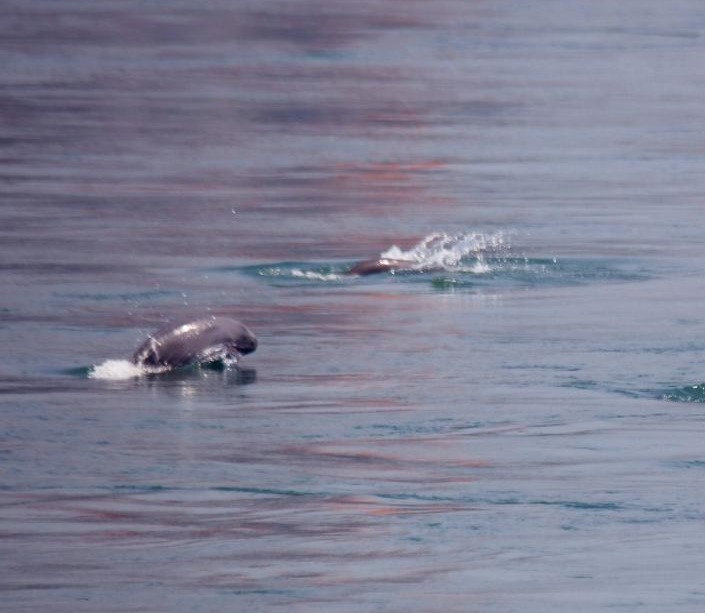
(116, 370)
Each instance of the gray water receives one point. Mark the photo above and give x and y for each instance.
(516, 429)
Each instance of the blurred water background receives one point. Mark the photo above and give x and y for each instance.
(515, 426)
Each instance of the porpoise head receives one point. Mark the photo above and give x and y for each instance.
(244, 341)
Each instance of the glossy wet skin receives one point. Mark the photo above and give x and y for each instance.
(200, 340)
(379, 265)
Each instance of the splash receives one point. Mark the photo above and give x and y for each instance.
(474, 253)
(116, 370)
(462, 252)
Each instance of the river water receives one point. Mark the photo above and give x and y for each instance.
(517, 425)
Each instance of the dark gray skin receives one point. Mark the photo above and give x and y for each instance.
(371, 267)
(198, 341)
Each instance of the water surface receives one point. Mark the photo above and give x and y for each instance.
(513, 426)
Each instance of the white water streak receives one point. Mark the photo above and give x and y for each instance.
(315, 276)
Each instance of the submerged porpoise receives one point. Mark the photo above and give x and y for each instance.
(371, 267)
(200, 341)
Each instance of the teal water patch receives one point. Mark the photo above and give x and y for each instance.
(590, 385)
(499, 273)
(263, 491)
(471, 273)
(81, 372)
(150, 488)
(579, 505)
(138, 488)
(689, 393)
(696, 464)
(434, 426)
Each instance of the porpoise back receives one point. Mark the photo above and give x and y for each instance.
(371, 267)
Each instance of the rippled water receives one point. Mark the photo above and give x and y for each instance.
(513, 425)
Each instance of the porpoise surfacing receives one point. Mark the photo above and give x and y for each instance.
(198, 341)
